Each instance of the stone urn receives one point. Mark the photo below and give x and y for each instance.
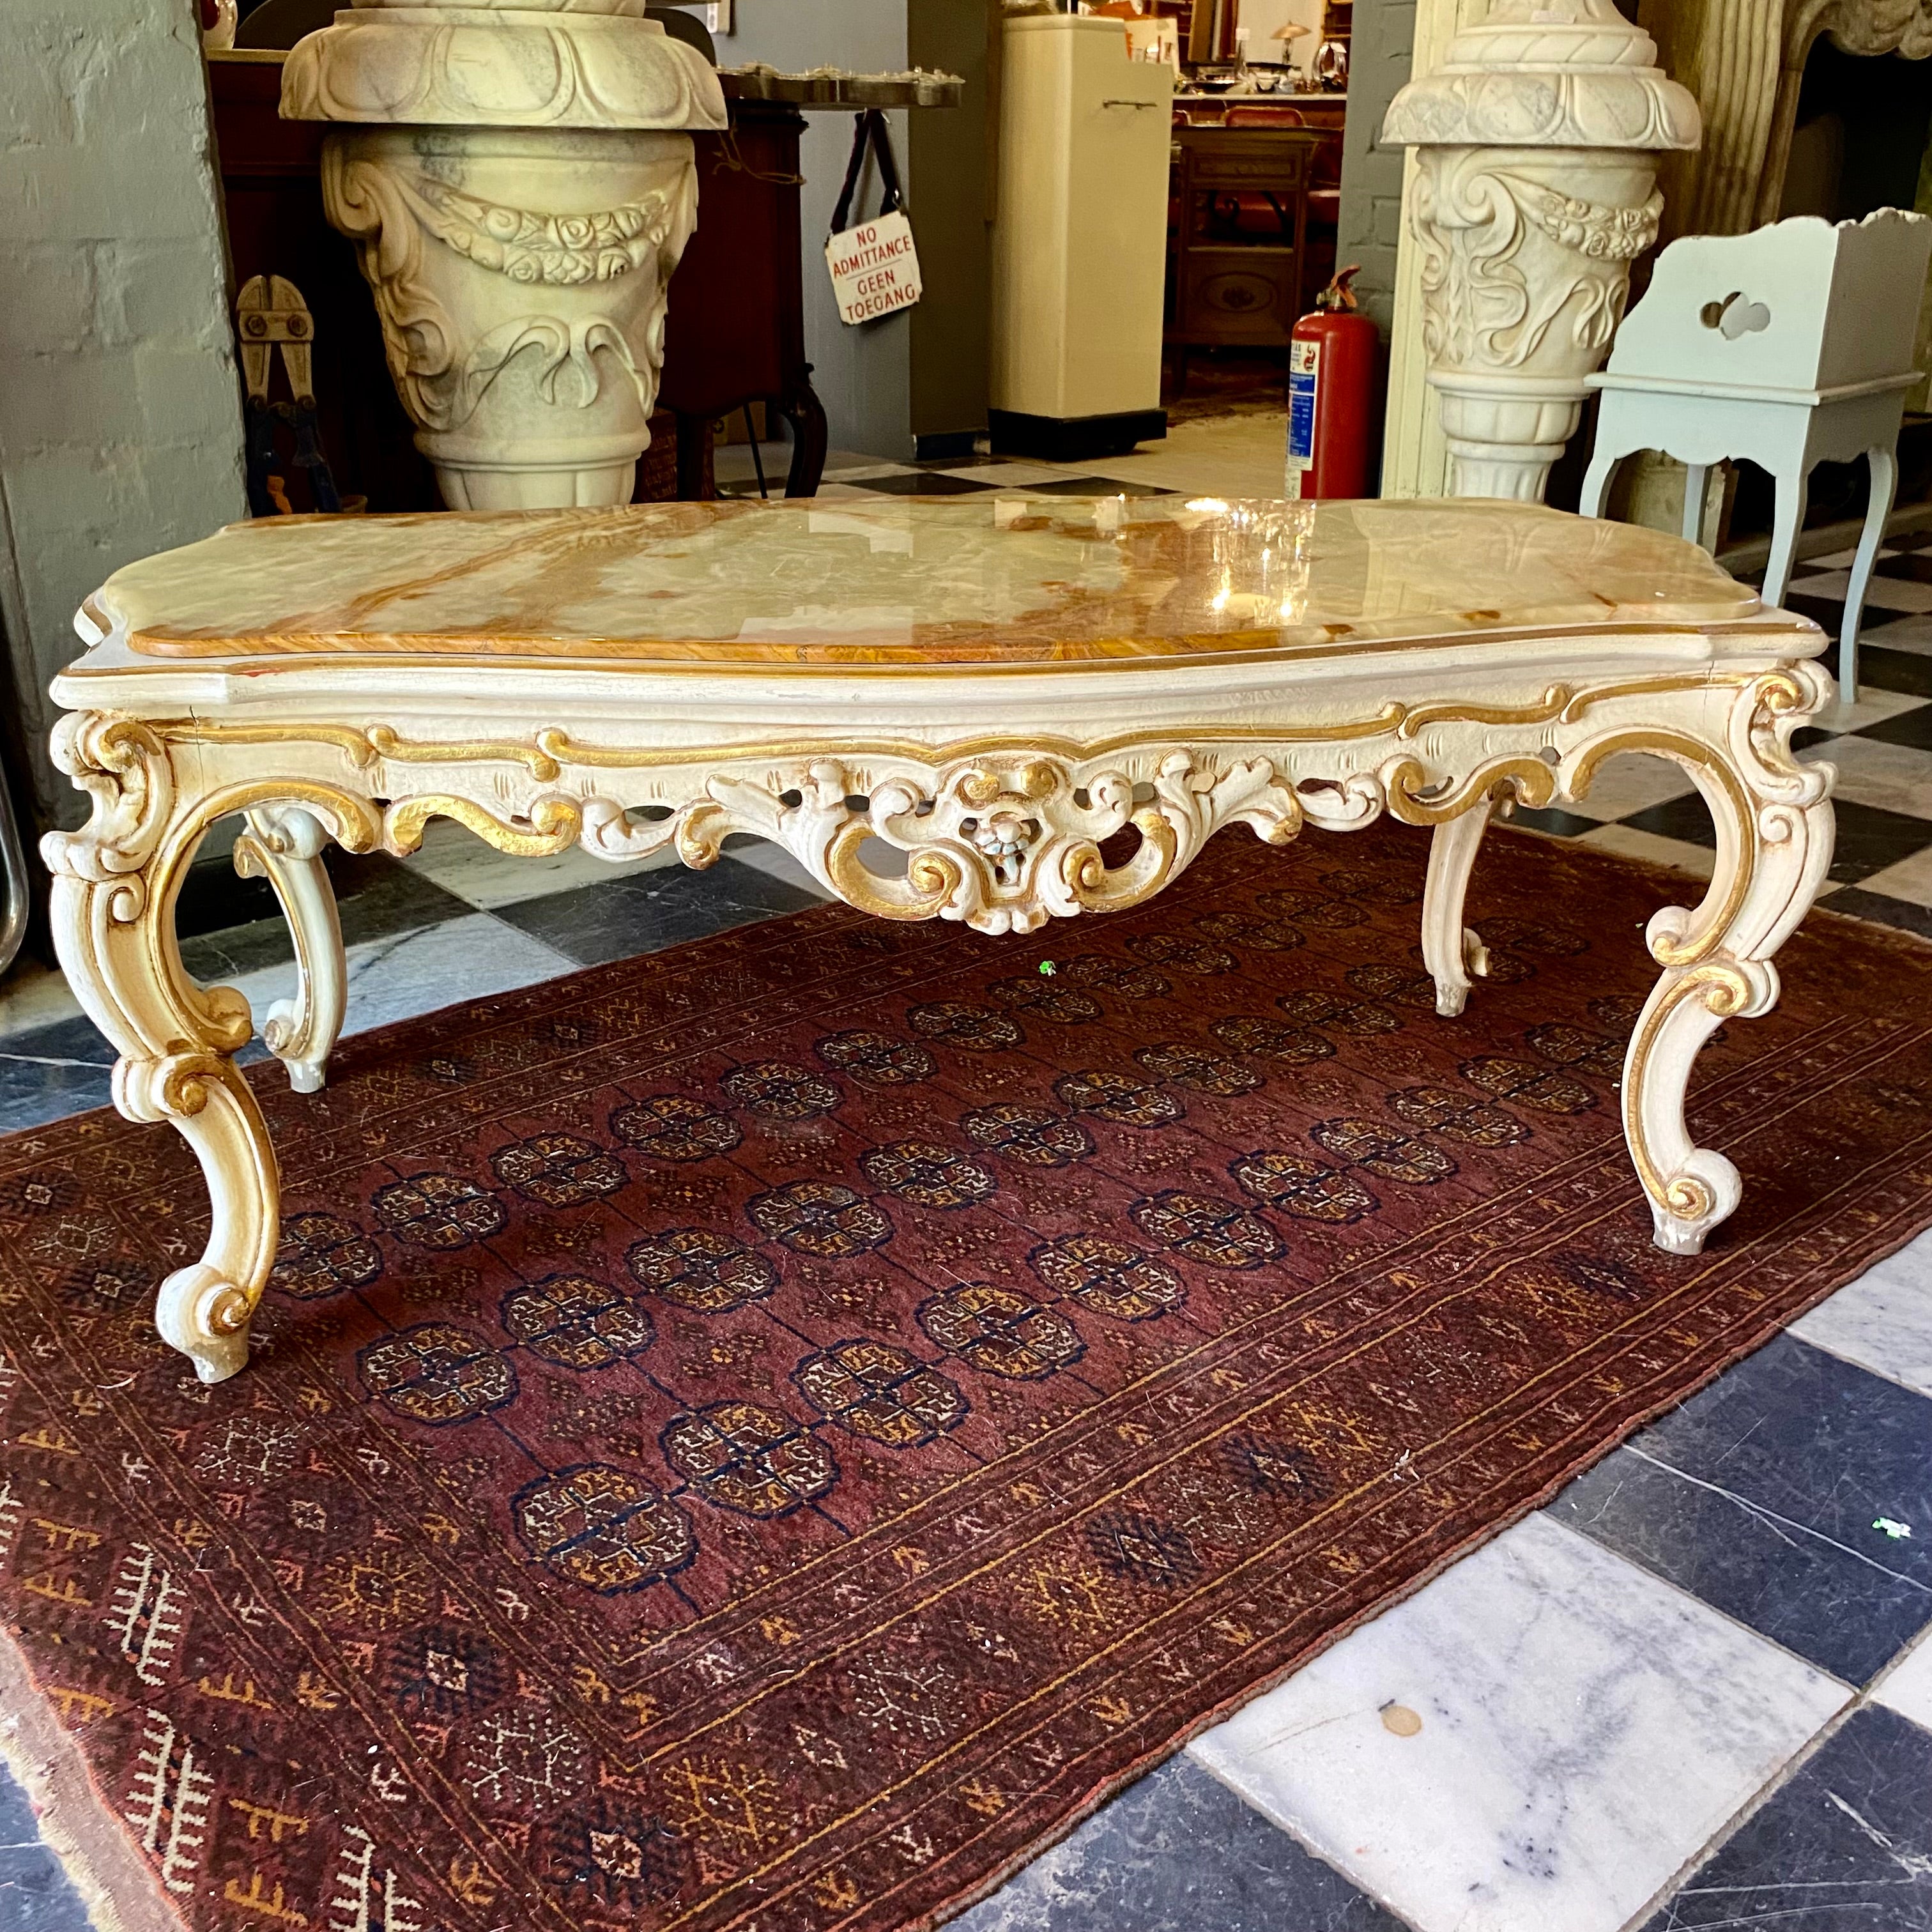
(1535, 189)
(519, 187)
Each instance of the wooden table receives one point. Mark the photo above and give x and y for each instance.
(993, 687)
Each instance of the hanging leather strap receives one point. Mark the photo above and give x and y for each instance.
(869, 131)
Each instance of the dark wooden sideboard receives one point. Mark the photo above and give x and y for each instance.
(735, 332)
(1239, 266)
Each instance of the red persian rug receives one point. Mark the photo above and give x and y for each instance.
(767, 1435)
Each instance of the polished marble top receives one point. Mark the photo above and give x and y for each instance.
(989, 579)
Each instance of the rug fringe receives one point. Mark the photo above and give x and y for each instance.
(120, 1893)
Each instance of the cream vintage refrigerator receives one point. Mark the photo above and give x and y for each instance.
(1079, 240)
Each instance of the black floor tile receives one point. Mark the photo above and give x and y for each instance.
(1177, 1852)
(1828, 613)
(1904, 671)
(1911, 540)
(1807, 735)
(216, 958)
(1882, 909)
(1687, 819)
(1870, 838)
(376, 898)
(35, 1895)
(1913, 728)
(644, 912)
(921, 483)
(1558, 823)
(1095, 486)
(1761, 1495)
(1845, 1846)
(1914, 567)
(47, 1072)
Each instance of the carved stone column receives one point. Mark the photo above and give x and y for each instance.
(519, 198)
(1538, 141)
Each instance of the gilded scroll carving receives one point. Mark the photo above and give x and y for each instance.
(1003, 836)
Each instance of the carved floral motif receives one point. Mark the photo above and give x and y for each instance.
(469, 139)
(531, 247)
(595, 351)
(1480, 305)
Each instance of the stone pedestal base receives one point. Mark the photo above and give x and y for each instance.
(1526, 256)
(521, 276)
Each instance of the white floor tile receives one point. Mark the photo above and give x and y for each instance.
(1873, 707)
(1008, 473)
(1887, 593)
(1908, 1689)
(33, 995)
(1902, 634)
(1222, 456)
(1838, 559)
(1882, 1321)
(1894, 778)
(1584, 1729)
(1679, 854)
(1632, 782)
(417, 972)
(460, 863)
(1909, 879)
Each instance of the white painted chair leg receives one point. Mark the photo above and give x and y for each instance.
(283, 845)
(1450, 950)
(1794, 494)
(1884, 465)
(1597, 483)
(1696, 475)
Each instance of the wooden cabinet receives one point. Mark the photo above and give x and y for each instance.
(1240, 245)
(736, 330)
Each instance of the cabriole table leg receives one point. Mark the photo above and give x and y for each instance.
(283, 845)
(114, 890)
(1774, 823)
(1450, 950)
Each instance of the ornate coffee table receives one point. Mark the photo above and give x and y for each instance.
(946, 708)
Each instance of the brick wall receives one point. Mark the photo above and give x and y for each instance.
(120, 419)
(1385, 31)
(1371, 216)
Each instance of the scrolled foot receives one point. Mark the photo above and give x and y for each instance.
(1704, 1191)
(1452, 995)
(207, 1319)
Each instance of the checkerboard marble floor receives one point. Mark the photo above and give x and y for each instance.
(1695, 1691)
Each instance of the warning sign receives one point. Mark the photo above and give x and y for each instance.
(874, 268)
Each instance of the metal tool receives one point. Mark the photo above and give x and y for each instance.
(268, 312)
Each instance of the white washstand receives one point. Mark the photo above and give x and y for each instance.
(1790, 346)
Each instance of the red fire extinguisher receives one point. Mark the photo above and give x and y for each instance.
(1331, 376)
